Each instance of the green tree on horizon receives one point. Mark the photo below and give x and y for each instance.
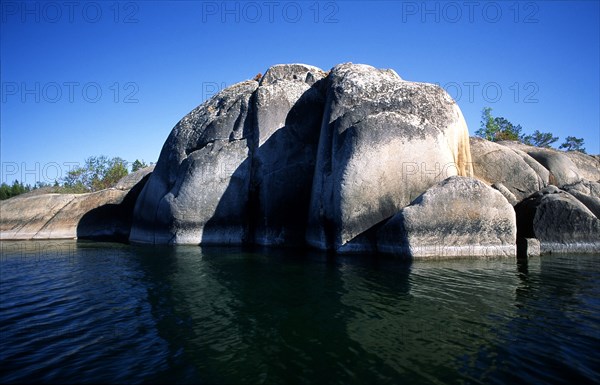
(98, 173)
(498, 128)
(17, 188)
(507, 130)
(488, 127)
(540, 139)
(137, 165)
(573, 144)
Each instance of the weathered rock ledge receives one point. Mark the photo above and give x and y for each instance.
(104, 214)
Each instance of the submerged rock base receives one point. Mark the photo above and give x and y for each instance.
(528, 247)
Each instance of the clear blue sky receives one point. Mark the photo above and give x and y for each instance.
(105, 77)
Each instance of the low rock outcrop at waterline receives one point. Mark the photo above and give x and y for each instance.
(351, 160)
(457, 217)
(105, 214)
(555, 203)
(561, 222)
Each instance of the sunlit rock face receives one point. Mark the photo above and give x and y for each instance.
(383, 142)
(238, 169)
(459, 217)
(104, 214)
(507, 168)
(561, 168)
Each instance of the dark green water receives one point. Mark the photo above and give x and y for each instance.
(96, 312)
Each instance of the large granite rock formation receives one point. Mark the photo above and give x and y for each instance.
(334, 160)
(239, 167)
(383, 142)
(345, 151)
(199, 190)
(457, 217)
(102, 214)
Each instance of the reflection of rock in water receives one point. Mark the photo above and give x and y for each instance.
(256, 308)
(546, 328)
(256, 316)
(429, 315)
(282, 316)
(163, 267)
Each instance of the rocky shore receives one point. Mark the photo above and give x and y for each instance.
(351, 160)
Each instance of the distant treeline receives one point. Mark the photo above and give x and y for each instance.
(97, 173)
(498, 128)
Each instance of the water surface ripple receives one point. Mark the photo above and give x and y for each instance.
(84, 312)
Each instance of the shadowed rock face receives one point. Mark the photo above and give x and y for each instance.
(588, 193)
(343, 151)
(289, 110)
(457, 217)
(199, 190)
(238, 169)
(559, 220)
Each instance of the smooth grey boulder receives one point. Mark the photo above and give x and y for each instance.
(510, 197)
(132, 179)
(586, 187)
(588, 193)
(458, 217)
(511, 168)
(199, 190)
(559, 221)
(562, 170)
(383, 142)
(289, 109)
(588, 166)
(239, 168)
